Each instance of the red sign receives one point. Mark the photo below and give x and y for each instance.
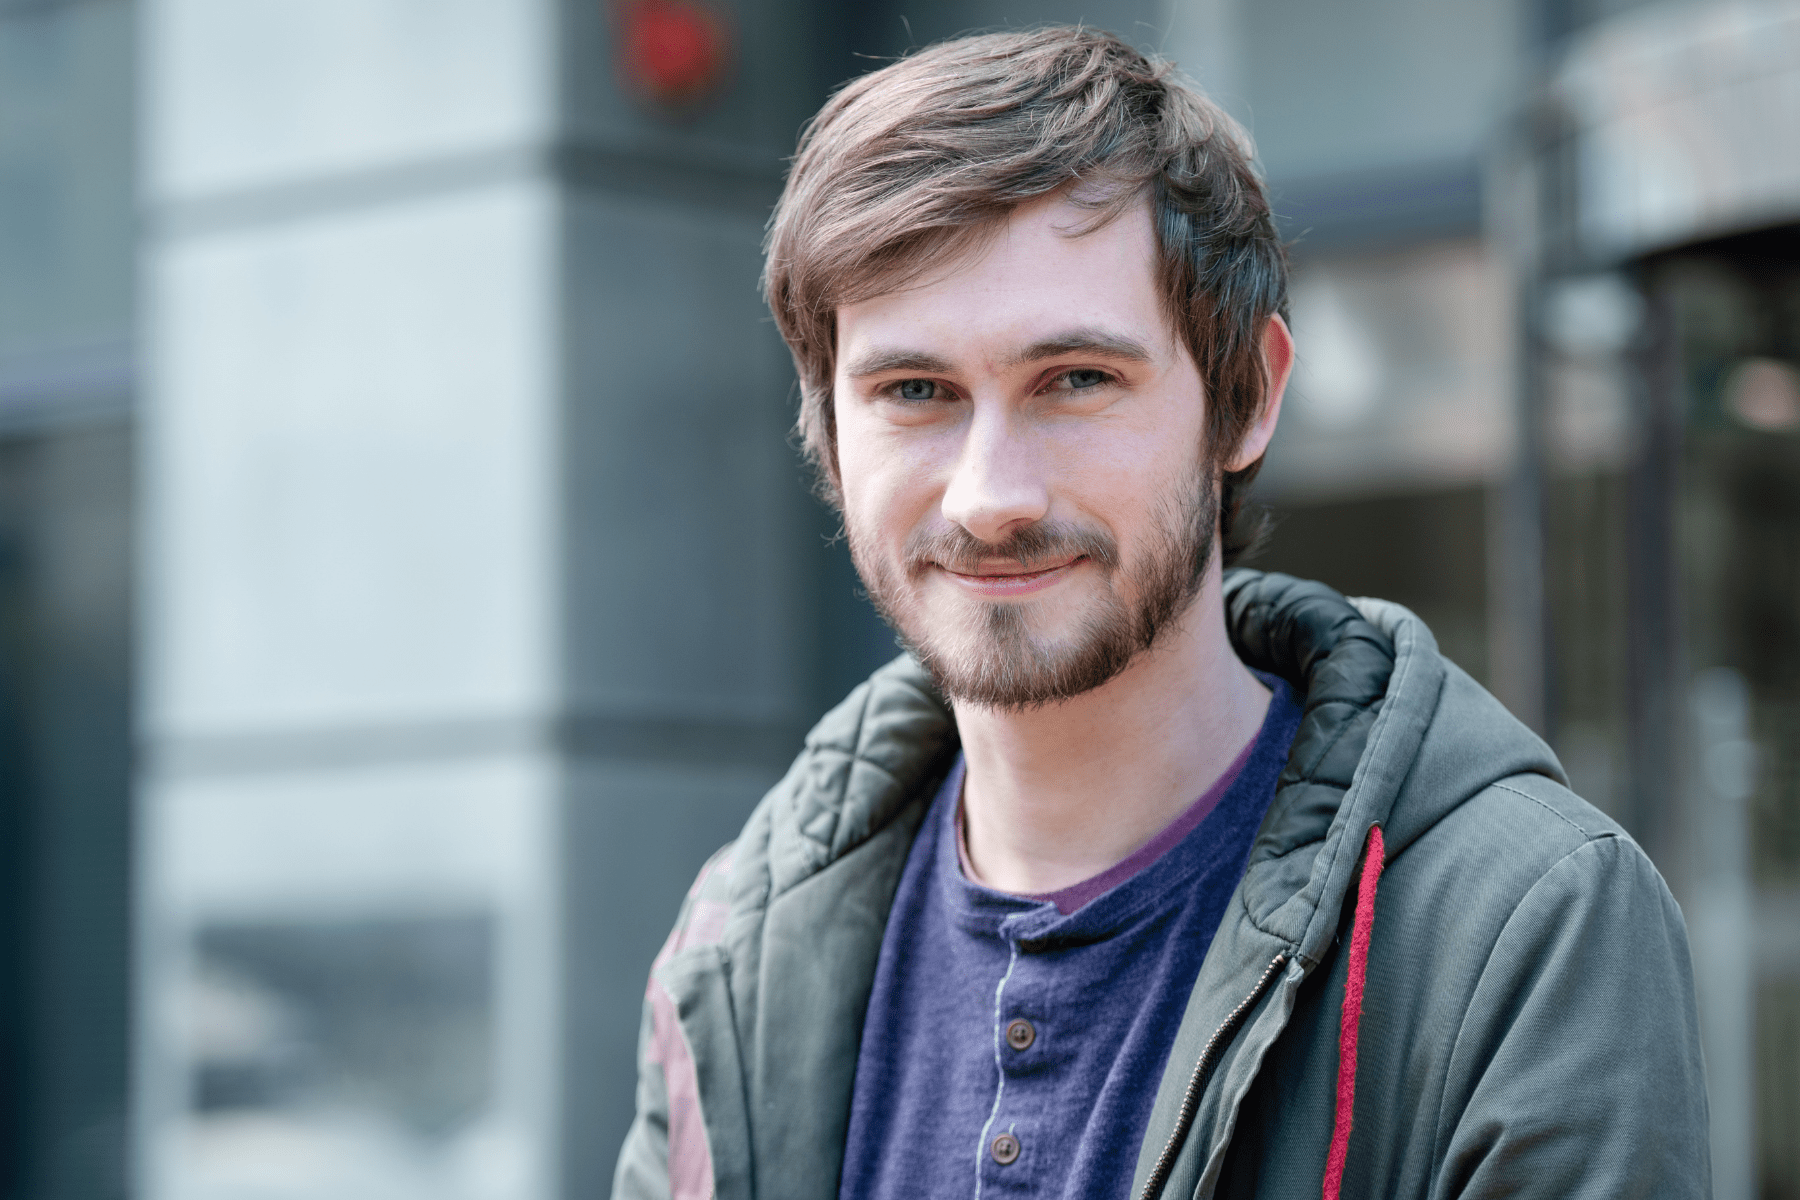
(673, 53)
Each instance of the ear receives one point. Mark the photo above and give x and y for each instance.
(1278, 364)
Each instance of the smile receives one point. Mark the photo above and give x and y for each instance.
(1012, 579)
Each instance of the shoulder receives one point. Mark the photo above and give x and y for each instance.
(1494, 898)
(867, 761)
(1490, 848)
(1522, 834)
(1486, 798)
(1527, 819)
(1565, 861)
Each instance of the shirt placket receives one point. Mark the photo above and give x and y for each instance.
(1006, 1158)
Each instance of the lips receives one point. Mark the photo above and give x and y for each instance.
(1003, 578)
(1013, 570)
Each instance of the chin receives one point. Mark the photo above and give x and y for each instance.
(1016, 657)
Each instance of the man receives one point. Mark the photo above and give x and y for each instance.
(1133, 878)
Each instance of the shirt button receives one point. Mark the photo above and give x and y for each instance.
(1005, 1149)
(1020, 1034)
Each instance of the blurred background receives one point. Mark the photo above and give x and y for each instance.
(406, 578)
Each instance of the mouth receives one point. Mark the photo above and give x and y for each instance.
(1012, 578)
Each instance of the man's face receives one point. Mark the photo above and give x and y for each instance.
(1020, 447)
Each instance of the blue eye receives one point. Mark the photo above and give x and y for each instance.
(1077, 380)
(916, 389)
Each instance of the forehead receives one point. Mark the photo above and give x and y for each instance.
(1035, 274)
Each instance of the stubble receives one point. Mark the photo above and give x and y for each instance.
(998, 660)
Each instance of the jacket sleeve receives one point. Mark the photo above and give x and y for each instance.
(1577, 1072)
(643, 1170)
(666, 1156)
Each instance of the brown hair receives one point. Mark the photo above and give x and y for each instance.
(920, 159)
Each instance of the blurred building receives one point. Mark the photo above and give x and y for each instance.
(68, 373)
(1660, 253)
(406, 580)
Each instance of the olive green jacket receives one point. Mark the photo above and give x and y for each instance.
(1528, 1027)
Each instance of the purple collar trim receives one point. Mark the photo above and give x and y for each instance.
(1068, 899)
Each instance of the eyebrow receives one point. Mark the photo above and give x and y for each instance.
(1083, 341)
(1074, 341)
(879, 362)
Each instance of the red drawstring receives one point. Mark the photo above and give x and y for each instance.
(1353, 998)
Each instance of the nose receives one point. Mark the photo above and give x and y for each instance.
(998, 484)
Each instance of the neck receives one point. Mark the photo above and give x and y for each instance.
(1057, 794)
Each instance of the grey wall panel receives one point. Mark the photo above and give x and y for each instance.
(897, 25)
(686, 523)
(1344, 88)
(65, 766)
(65, 177)
(265, 93)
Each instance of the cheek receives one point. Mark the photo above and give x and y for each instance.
(880, 488)
(1122, 476)
(852, 450)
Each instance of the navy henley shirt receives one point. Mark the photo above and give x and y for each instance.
(1012, 1046)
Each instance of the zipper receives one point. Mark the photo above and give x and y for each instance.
(1190, 1102)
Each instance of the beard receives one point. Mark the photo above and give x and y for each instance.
(997, 660)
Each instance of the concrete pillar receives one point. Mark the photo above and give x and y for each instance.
(478, 575)
(66, 270)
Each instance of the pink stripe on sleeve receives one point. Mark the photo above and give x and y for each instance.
(690, 1158)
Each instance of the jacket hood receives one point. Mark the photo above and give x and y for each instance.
(1393, 735)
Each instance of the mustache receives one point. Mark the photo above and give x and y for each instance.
(1037, 545)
